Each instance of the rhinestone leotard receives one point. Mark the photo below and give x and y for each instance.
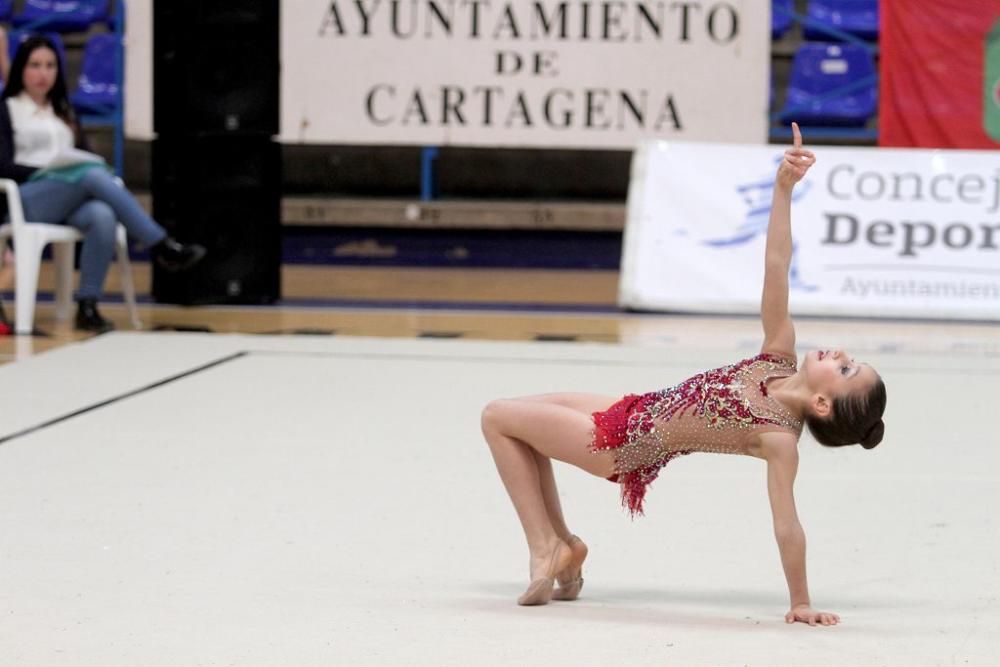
(716, 411)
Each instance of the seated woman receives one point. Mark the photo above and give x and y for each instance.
(36, 126)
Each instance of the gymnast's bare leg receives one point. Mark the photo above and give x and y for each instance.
(524, 434)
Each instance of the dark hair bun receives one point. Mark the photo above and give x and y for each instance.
(874, 435)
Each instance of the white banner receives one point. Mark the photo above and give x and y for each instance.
(545, 73)
(878, 232)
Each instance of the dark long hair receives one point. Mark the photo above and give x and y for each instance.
(855, 419)
(58, 97)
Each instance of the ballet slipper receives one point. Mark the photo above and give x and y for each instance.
(540, 590)
(570, 590)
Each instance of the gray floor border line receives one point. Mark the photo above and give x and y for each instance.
(114, 399)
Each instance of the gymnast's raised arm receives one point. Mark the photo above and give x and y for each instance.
(779, 334)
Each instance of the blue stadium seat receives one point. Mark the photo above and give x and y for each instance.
(832, 85)
(15, 38)
(97, 90)
(781, 17)
(855, 17)
(62, 15)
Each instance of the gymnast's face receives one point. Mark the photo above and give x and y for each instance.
(40, 72)
(833, 373)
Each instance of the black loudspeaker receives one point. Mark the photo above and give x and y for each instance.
(215, 66)
(223, 192)
(216, 172)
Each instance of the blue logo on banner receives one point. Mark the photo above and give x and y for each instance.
(757, 196)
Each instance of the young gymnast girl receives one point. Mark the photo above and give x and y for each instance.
(755, 407)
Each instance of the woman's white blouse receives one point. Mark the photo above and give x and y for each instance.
(39, 134)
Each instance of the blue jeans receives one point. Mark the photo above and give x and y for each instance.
(94, 205)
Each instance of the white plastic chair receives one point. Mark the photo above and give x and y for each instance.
(30, 238)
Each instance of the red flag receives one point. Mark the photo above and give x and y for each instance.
(939, 73)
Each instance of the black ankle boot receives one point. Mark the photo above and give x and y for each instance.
(174, 256)
(88, 319)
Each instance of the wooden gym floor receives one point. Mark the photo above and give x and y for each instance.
(492, 304)
(472, 304)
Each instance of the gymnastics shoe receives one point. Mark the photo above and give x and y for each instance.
(89, 319)
(540, 590)
(570, 590)
(173, 256)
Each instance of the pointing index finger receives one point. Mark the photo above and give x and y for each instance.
(796, 136)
